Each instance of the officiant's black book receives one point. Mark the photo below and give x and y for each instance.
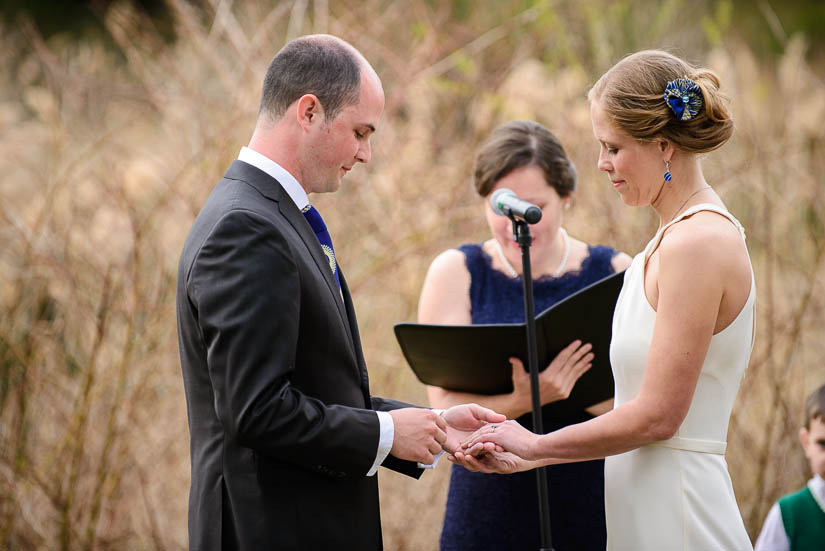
(474, 358)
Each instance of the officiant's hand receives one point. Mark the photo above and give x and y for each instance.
(463, 420)
(509, 436)
(557, 381)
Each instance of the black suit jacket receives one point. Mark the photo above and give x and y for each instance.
(282, 426)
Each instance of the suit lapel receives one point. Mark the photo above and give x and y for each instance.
(301, 226)
(270, 188)
(359, 353)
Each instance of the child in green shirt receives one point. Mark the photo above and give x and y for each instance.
(797, 521)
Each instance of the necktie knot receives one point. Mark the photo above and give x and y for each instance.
(313, 217)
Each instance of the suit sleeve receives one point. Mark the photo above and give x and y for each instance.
(245, 288)
(387, 404)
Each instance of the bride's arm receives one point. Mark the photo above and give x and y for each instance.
(692, 265)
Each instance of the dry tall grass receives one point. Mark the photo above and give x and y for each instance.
(106, 161)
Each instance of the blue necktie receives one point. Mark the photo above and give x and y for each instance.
(317, 224)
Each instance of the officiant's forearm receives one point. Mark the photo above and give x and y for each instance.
(505, 404)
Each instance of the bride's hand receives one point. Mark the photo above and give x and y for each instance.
(495, 437)
(490, 462)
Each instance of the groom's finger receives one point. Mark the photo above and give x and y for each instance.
(486, 414)
(470, 450)
(441, 422)
(481, 435)
(480, 448)
(451, 444)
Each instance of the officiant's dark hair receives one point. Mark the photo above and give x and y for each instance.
(322, 65)
(518, 144)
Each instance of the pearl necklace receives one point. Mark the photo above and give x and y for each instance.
(512, 272)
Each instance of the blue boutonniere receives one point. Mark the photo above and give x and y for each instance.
(684, 97)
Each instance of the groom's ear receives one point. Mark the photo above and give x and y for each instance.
(309, 111)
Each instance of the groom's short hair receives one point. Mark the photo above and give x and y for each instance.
(322, 65)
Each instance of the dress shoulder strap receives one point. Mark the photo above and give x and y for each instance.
(654, 243)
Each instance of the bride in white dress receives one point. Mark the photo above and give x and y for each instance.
(683, 326)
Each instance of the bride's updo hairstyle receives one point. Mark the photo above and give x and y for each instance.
(643, 96)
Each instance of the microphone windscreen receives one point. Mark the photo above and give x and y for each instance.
(495, 200)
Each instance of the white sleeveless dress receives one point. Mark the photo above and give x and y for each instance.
(676, 494)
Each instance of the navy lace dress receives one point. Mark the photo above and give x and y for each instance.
(492, 512)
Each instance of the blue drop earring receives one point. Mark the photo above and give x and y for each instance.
(668, 175)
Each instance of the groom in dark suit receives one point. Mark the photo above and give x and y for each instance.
(285, 437)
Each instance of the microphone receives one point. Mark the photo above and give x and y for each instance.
(505, 203)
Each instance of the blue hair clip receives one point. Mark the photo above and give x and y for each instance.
(684, 97)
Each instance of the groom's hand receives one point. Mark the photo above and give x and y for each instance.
(419, 434)
(464, 420)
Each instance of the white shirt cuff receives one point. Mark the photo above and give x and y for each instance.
(434, 463)
(385, 439)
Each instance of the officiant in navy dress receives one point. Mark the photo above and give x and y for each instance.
(481, 283)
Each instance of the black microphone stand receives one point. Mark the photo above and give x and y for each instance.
(521, 235)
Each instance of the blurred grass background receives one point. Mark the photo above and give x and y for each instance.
(117, 118)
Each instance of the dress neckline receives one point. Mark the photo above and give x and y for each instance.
(654, 243)
(546, 278)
